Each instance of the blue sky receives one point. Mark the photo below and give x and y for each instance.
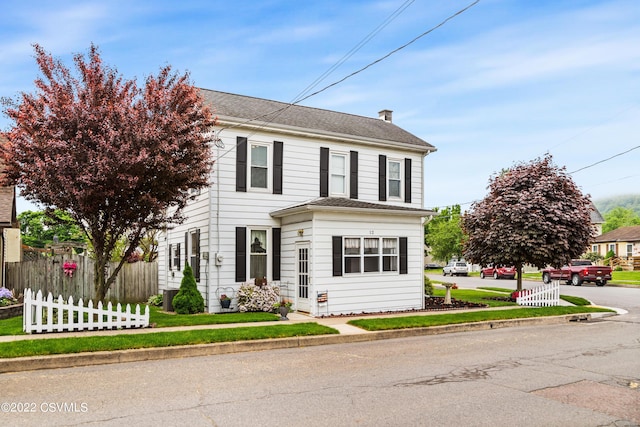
(505, 81)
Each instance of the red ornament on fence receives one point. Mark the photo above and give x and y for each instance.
(69, 267)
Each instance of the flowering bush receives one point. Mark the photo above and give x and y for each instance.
(257, 298)
(6, 297)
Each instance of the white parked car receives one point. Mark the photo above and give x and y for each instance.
(455, 268)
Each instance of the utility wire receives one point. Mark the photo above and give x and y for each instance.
(280, 110)
(356, 48)
(605, 160)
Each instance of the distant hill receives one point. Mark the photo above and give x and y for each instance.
(628, 201)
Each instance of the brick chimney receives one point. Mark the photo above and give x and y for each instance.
(385, 115)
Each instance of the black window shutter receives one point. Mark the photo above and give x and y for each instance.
(241, 254)
(178, 257)
(196, 257)
(407, 180)
(353, 175)
(241, 164)
(186, 249)
(382, 177)
(275, 258)
(403, 256)
(324, 172)
(277, 167)
(336, 245)
(170, 257)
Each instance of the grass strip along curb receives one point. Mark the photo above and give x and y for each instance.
(40, 347)
(381, 324)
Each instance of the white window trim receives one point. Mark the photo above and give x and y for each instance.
(380, 256)
(344, 155)
(268, 248)
(400, 179)
(266, 189)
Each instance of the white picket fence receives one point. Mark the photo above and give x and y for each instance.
(542, 296)
(49, 315)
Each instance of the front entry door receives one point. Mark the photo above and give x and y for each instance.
(302, 277)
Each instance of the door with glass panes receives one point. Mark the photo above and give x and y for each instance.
(302, 277)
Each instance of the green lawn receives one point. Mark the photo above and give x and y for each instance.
(417, 321)
(42, 347)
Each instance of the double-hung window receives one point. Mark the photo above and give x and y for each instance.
(352, 255)
(389, 254)
(259, 171)
(394, 176)
(258, 254)
(338, 166)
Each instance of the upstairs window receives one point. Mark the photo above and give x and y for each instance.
(338, 174)
(395, 179)
(259, 166)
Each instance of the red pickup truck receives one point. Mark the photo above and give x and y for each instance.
(578, 271)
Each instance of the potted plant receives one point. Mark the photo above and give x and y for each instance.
(283, 308)
(225, 301)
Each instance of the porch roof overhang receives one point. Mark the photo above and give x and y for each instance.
(344, 205)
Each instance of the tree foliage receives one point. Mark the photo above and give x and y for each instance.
(534, 214)
(619, 217)
(38, 228)
(443, 234)
(114, 156)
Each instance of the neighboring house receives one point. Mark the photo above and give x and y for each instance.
(596, 219)
(9, 231)
(623, 241)
(327, 205)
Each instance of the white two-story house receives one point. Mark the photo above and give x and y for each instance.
(326, 205)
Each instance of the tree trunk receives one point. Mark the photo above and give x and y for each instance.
(519, 277)
(99, 271)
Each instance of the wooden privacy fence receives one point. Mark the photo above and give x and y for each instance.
(136, 282)
(542, 296)
(49, 315)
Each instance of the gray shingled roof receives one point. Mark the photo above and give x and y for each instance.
(242, 108)
(350, 204)
(622, 234)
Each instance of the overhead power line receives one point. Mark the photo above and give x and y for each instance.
(605, 160)
(275, 113)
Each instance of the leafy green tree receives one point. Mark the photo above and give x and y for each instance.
(534, 214)
(38, 228)
(619, 217)
(443, 234)
(188, 300)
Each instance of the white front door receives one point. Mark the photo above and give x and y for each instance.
(302, 277)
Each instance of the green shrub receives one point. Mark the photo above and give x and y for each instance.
(428, 287)
(188, 300)
(618, 268)
(155, 300)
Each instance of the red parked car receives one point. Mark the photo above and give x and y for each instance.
(498, 272)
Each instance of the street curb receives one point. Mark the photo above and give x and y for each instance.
(33, 363)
